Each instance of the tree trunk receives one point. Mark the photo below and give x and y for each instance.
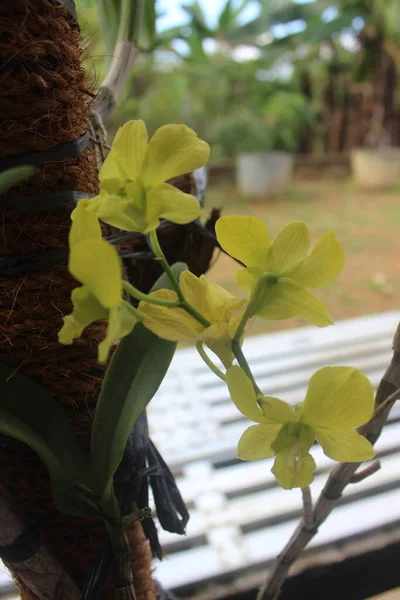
(44, 102)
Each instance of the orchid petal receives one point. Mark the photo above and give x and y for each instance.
(288, 248)
(243, 395)
(121, 322)
(322, 265)
(217, 339)
(111, 186)
(292, 472)
(338, 397)
(244, 238)
(172, 324)
(218, 301)
(294, 466)
(167, 202)
(118, 212)
(194, 290)
(86, 310)
(277, 410)
(85, 224)
(255, 443)
(286, 299)
(127, 154)
(173, 150)
(345, 446)
(96, 264)
(247, 278)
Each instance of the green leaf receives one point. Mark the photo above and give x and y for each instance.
(13, 176)
(29, 414)
(225, 16)
(147, 37)
(136, 371)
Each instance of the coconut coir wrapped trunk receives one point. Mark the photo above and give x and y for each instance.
(43, 103)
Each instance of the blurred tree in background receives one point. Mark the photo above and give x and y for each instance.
(327, 69)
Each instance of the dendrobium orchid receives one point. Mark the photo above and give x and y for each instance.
(133, 193)
(338, 400)
(222, 310)
(96, 264)
(279, 272)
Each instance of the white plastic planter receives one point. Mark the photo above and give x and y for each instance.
(264, 174)
(376, 169)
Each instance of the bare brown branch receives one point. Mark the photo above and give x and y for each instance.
(367, 472)
(308, 517)
(388, 393)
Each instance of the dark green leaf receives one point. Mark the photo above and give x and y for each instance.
(225, 17)
(136, 371)
(198, 22)
(29, 414)
(13, 176)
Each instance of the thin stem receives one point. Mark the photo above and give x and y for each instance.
(340, 477)
(208, 361)
(337, 481)
(240, 357)
(183, 303)
(135, 311)
(243, 322)
(195, 314)
(135, 293)
(155, 244)
(367, 472)
(308, 519)
(257, 296)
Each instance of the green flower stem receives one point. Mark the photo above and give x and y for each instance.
(195, 314)
(208, 361)
(135, 293)
(243, 322)
(240, 357)
(155, 244)
(175, 284)
(138, 314)
(256, 297)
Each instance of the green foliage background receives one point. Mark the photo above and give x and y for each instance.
(220, 97)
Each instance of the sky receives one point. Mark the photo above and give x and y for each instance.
(174, 15)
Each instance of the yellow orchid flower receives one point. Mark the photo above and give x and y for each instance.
(215, 304)
(284, 266)
(133, 193)
(338, 400)
(95, 264)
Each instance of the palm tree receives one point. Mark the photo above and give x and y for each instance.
(228, 31)
(356, 89)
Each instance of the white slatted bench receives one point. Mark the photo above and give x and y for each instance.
(240, 519)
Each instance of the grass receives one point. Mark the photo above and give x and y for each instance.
(367, 224)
